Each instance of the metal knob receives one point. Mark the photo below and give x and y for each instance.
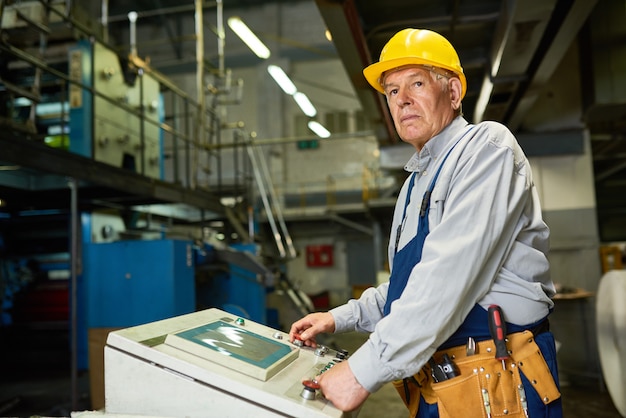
(342, 354)
(309, 390)
(321, 350)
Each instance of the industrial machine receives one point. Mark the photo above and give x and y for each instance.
(212, 363)
(123, 118)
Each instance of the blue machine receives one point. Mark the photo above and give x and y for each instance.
(233, 280)
(127, 283)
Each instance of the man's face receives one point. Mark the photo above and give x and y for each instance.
(419, 105)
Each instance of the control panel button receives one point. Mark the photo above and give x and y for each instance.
(297, 340)
(321, 350)
(342, 354)
(309, 389)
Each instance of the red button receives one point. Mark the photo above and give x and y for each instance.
(311, 384)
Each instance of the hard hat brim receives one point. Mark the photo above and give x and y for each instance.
(374, 72)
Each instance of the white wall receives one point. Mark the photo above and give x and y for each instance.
(565, 182)
(314, 280)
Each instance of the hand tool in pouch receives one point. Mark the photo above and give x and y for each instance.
(470, 347)
(437, 371)
(497, 328)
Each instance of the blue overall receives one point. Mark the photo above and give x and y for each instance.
(476, 323)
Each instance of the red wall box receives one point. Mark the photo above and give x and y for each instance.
(319, 255)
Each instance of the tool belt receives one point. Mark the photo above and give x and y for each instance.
(482, 387)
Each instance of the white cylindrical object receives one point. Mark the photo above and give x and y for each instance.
(132, 17)
(611, 335)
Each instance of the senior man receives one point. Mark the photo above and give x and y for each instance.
(467, 251)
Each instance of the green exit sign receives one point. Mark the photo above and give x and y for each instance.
(309, 144)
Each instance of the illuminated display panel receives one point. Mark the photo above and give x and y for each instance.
(231, 346)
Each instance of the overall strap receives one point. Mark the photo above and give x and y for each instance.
(411, 254)
(426, 199)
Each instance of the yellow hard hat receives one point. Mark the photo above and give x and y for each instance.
(415, 46)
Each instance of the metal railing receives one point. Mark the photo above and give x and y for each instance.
(191, 127)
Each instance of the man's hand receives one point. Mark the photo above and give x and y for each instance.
(308, 327)
(339, 386)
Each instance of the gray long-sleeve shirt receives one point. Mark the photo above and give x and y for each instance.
(487, 244)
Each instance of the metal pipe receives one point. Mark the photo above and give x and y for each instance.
(161, 11)
(105, 20)
(175, 162)
(221, 35)
(142, 125)
(36, 87)
(92, 99)
(289, 139)
(75, 271)
(132, 18)
(266, 204)
(187, 146)
(279, 214)
(218, 156)
(199, 84)
(65, 141)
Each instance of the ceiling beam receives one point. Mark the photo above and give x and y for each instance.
(516, 43)
(567, 29)
(342, 20)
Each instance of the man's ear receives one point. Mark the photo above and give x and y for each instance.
(455, 89)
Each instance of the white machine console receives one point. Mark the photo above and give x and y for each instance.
(214, 364)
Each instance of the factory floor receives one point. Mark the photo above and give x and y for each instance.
(35, 381)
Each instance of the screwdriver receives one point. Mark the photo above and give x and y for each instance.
(497, 328)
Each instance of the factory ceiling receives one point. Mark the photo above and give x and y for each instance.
(508, 49)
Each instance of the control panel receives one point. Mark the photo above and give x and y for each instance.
(212, 363)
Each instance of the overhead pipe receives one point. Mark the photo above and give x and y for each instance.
(503, 32)
(199, 86)
(220, 37)
(132, 17)
(105, 20)
(290, 139)
(161, 10)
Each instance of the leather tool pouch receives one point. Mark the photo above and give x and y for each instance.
(482, 386)
(410, 390)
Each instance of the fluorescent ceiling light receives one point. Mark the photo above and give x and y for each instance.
(282, 79)
(248, 37)
(305, 104)
(318, 129)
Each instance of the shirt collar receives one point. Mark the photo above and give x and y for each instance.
(436, 146)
